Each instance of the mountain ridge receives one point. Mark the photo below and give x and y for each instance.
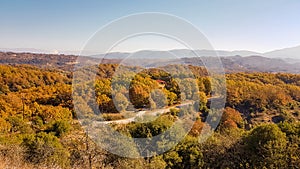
(291, 54)
(236, 63)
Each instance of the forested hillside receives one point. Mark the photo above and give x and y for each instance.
(259, 128)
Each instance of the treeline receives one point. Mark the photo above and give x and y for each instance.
(38, 125)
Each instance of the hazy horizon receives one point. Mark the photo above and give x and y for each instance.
(44, 51)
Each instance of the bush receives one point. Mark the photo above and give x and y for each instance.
(18, 125)
(60, 127)
(46, 150)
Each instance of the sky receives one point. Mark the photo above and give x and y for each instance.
(57, 25)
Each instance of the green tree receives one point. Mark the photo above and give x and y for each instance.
(266, 145)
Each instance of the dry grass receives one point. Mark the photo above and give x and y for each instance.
(11, 157)
(14, 164)
(6, 163)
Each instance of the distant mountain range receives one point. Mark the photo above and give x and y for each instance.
(38, 51)
(148, 59)
(291, 55)
(288, 53)
(172, 54)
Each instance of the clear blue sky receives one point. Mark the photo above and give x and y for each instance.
(229, 24)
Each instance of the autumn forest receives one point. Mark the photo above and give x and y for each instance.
(40, 128)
